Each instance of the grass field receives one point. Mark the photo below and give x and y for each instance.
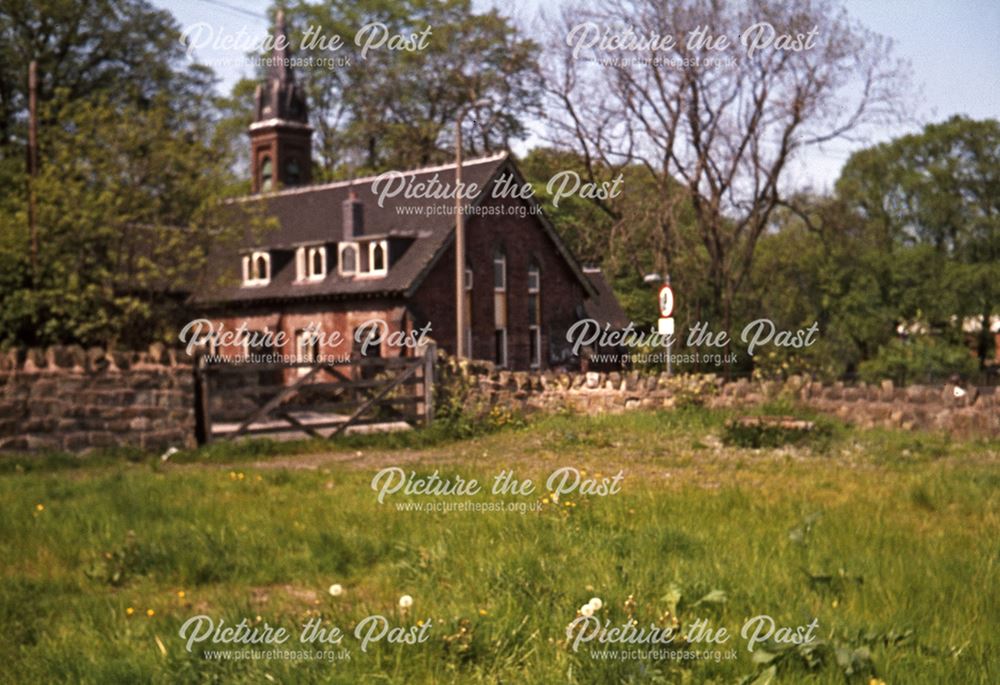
(889, 540)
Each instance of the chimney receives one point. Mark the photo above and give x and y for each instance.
(353, 217)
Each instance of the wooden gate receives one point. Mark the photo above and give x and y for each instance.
(321, 399)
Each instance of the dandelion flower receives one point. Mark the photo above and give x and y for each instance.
(129, 611)
(596, 603)
(483, 612)
(545, 500)
(181, 594)
(587, 610)
(336, 590)
(405, 602)
(150, 613)
(39, 507)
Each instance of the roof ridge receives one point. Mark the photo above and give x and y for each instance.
(368, 179)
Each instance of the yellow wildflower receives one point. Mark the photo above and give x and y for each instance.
(150, 613)
(129, 611)
(483, 612)
(181, 594)
(40, 507)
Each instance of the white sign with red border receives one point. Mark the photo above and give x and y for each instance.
(666, 302)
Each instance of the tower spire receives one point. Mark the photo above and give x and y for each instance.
(280, 135)
(280, 97)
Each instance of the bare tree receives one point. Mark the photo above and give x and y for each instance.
(715, 127)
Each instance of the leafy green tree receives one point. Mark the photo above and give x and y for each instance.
(396, 109)
(126, 219)
(124, 50)
(938, 190)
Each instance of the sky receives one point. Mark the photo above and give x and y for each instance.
(953, 47)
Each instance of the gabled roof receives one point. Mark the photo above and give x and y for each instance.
(313, 215)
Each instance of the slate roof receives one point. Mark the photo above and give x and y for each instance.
(313, 214)
(604, 307)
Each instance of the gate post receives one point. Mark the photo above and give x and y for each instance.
(430, 356)
(202, 414)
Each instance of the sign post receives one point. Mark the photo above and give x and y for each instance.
(666, 324)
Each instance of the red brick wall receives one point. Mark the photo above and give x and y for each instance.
(330, 316)
(523, 239)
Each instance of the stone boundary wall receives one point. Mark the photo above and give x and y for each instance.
(68, 398)
(969, 411)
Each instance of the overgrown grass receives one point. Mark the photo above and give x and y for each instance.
(888, 539)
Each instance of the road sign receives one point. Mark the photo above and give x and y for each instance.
(666, 302)
(666, 325)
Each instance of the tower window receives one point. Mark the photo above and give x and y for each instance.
(266, 174)
(292, 172)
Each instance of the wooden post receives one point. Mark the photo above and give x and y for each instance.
(430, 355)
(203, 415)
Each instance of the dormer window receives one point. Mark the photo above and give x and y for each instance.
(348, 259)
(378, 257)
(257, 268)
(365, 258)
(310, 263)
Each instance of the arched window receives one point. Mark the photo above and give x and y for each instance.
(257, 268)
(292, 172)
(348, 259)
(318, 266)
(266, 174)
(378, 257)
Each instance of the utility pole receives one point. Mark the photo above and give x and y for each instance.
(461, 316)
(33, 163)
(460, 350)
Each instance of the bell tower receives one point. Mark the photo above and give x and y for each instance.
(280, 135)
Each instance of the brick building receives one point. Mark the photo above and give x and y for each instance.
(345, 254)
